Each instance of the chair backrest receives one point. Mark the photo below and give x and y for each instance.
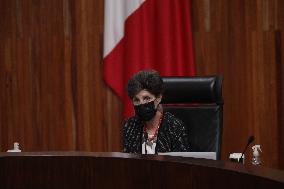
(198, 102)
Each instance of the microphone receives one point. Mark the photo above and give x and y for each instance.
(250, 140)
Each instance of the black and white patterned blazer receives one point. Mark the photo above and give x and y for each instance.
(172, 135)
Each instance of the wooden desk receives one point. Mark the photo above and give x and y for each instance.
(118, 170)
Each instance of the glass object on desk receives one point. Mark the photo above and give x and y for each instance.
(256, 160)
(237, 157)
(16, 148)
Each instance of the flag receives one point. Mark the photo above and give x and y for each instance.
(146, 34)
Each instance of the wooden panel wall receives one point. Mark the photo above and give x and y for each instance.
(53, 96)
(243, 40)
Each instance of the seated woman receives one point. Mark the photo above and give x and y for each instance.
(151, 130)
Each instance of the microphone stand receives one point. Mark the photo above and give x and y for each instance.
(250, 140)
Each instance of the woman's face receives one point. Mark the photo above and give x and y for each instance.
(144, 97)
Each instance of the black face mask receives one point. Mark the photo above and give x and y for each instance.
(145, 111)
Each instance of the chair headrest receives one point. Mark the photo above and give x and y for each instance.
(193, 89)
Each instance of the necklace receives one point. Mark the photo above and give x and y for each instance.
(150, 140)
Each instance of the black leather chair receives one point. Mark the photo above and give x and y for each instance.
(198, 102)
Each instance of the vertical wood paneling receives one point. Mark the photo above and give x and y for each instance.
(53, 96)
(280, 90)
(244, 45)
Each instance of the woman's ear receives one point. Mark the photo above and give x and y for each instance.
(159, 99)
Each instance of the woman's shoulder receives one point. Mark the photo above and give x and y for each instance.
(173, 123)
(170, 118)
(132, 127)
(131, 122)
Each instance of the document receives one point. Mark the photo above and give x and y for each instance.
(205, 155)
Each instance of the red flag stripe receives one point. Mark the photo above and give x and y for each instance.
(156, 36)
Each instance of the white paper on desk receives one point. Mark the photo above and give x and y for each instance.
(205, 155)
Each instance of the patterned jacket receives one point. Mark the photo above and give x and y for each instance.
(172, 135)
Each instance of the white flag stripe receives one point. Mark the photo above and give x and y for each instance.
(116, 12)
